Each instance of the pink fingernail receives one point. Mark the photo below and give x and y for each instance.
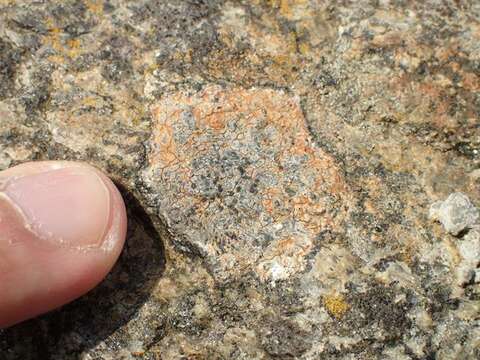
(69, 206)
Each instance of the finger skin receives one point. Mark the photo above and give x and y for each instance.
(50, 257)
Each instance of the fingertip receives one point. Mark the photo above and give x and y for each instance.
(64, 226)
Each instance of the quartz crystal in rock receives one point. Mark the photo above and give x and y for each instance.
(456, 213)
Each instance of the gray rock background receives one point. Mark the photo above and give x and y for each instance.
(278, 159)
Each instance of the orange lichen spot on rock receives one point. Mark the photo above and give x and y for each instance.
(336, 305)
(56, 40)
(214, 119)
(273, 3)
(269, 197)
(89, 101)
(56, 59)
(53, 37)
(73, 43)
(74, 46)
(289, 8)
(471, 82)
(166, 153)
(150, 69)
(409, 250)
(166, 145)
(285, 7)
(210, 137)
(304, 48)
(95, 6)
(54, 31)
(284, 65)
(285, 245)
(310, 214)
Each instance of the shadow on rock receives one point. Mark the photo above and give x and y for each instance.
(88, 321)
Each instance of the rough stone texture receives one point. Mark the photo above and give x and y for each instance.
(279, 159)
(456, 213)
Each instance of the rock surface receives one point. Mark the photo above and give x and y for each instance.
(278, 158)
(456, 213)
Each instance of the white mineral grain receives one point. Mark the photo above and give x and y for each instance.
(456, 213)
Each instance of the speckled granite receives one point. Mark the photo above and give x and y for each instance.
(279, 160)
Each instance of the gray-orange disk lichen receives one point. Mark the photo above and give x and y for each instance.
(241, 182)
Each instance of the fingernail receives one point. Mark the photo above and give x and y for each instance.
(67, 206)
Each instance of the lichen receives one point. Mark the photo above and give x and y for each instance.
(336, 305)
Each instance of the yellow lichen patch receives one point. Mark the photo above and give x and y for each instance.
(60, 60)
(408, 251)
(292, 42)
(65, 49)
(283, 67)
(269, 46)
(138, 113)
(336, 305)
(95, 6)
(53, 37)
(285, 7)
(73, 43)
(304, 48)
(90, 101)
(74, 46)
(151, 68)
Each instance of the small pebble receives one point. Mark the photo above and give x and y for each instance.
(456, 213)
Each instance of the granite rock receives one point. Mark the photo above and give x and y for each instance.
(456, 213)
(278, 159)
